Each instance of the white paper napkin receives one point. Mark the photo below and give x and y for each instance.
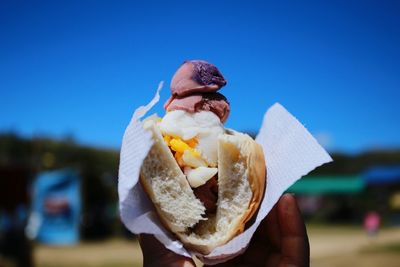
(290, 153)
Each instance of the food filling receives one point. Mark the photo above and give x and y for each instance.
(194, 120)
(193, 140)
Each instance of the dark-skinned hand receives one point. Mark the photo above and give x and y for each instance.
(281, 240)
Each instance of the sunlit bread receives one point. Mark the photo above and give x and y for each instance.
(241, 184)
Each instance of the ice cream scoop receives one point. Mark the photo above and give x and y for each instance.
(196, 76)
(215, 102)
(194, 88)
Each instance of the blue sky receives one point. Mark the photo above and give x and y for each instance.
(80, 68)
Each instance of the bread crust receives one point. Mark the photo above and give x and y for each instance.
(248, 151)
(257, 178)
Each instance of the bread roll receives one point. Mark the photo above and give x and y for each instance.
(241, 184)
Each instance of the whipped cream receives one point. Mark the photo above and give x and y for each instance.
(205, 126)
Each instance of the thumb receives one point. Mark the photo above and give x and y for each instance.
(155, 254)
(294, 239)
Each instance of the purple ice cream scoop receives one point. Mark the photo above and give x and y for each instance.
(194, 88)
(196, 76)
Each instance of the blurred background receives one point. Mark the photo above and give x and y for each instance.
(72, 73)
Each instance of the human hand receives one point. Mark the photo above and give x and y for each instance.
(280, 240)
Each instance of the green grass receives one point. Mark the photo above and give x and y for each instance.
(334, 229)
(385, 248)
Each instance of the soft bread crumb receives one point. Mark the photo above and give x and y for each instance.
(168, 188)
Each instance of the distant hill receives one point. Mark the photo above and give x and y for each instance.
(353, 164)
(46, 153)
(42, 153)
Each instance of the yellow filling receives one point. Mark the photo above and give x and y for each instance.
(179, 147)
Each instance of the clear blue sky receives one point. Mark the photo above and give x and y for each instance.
(81, 67)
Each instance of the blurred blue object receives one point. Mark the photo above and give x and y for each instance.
(382, 175)
(56, 207)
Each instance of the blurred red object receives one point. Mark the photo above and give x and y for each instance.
(372, 222)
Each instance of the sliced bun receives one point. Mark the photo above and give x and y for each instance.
(241, 183)
(167, 186)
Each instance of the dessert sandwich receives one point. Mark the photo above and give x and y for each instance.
(205, 181)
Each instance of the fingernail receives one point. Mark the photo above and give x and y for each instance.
(187, 264)
(288, 204)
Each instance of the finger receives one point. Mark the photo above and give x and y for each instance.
(265, 243)
(155, 254)
(269, 236)
(269, 229)
(294, 240)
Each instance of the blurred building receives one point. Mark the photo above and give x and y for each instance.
(56, 208)
(333, 199)
(346, 199)
(383, 189)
